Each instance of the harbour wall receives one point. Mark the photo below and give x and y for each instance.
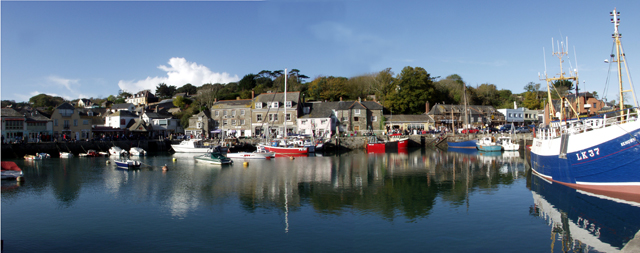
(12, 151)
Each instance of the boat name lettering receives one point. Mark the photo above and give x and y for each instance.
(588, 154)
(627, 142)
(538, 143)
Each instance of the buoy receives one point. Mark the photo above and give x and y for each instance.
(108, 162)
(291, 157)
(164, 168)
(175, 159)
(20, 179)
(245, 164)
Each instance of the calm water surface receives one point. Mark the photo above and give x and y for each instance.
(423, 200)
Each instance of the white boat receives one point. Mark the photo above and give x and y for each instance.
(252, 155)
(136, 151)
(66, 155)
(213, 158)
(507, 144)
(38, 156)
(190, 146)
(10, 170)
(117, 151)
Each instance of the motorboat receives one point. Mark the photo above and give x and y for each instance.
(66, 154)
(279, 147)
(37, 156)
(488, 144)
(374, 145)
(190, 146)
(507, 144)
(251, 155)
(10, 170)
(136, 151)
(117, 151)
(127, 163)
(470, 144)
(213, 157)
(399, 140)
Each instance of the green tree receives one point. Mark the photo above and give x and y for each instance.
(413, 88)
(165, 91)
(531, 101)
(187, 88)
(44, 100)
(487, 94)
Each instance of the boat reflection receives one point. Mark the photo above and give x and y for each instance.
(583, 221)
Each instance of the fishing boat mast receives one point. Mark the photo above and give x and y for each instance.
(573, 75)
(285, 106)
(619, 52)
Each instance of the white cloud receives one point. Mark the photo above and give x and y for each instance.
(64, 82)
(179, 73)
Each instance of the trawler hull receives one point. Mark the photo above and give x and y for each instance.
(605, 159)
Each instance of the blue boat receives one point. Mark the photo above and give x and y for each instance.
(462, 144)
(599, 154)
(127, 163)
(488, 144)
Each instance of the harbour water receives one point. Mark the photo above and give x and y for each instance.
(425, 200)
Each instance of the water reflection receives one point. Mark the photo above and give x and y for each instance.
(403, 184)
(584, 222)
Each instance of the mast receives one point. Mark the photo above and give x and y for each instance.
(466, 116)
(573, 75)
(285, 104)
(619, 52)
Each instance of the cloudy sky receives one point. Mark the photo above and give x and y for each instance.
(94, 49)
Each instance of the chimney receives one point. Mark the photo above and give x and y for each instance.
(215, 100)
(340, 99)
(156, 109)
(359, 99)
(252, 94)
(426, 106)
(237, 98)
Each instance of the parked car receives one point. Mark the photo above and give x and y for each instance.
(489, 130)
(470, 131)
(522, 130)
(505, 128)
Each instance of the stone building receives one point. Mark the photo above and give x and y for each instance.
(268, 113)
(232, 117)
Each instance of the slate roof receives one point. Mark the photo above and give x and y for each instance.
(66, 105)
(122, 114)
(137, 124)
(421, 118)
(10, 112)
(121, 106)
(233, 103)
(155, 115)
(319, 109)
(269, 97)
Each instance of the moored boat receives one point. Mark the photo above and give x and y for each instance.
(471, 144)
(127, 163)
(251, 155)
(399, 141)
(488, 144)
(374, 145)
(136, 151)
(117, 151)
(507, 144)
(279, 147)
(190, 146)
(213, 158)
(66, 154)
(10, 170)
(599, 154)
(37, 156)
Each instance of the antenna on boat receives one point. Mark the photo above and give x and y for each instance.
(620, 53)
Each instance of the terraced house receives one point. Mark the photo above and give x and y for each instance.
(232, 117)
(268, 113)
(71, 122)
(358, 116)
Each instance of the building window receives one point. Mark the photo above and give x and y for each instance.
(85, 122)
(199, 125)
(306, 110)
(288, 103)
(288, 117)
(224, 122)
(66, 124)
(274, 104)
(55, 122)
(302, 122)
(75, 122)
(224, 113)
(356, 111)
(242, 112)
(259, 117)
(355, 118)
(324, 121)
(233, 122)
(233, 113)
(123, 122)
(241, 122)
(259, 105)
(217, 113)
(162, 122)
(374, 118)
(273, 117)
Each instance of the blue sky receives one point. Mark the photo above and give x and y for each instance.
(93, 49)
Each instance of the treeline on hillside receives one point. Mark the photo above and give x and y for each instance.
(402, 93)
